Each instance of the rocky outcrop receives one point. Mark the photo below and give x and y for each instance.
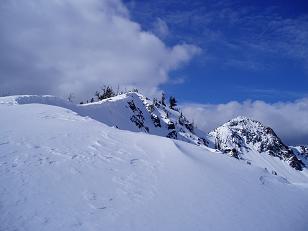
(242, 134)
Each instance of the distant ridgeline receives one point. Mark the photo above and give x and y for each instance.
(238, 138)
(242, 138)
(242, 135)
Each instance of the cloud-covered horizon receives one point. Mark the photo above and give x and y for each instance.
(59, 47)
(288, 119)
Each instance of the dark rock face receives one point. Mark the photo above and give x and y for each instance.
(243, 134)
(171, 125)
(301, 153)
(190, 127)
(173, 135)
(203, 141)
(156, 120)
(153, 117)
(303, 150)
(296, 163)
(137, 118)
(132, 106)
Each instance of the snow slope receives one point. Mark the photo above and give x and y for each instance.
(62, 171)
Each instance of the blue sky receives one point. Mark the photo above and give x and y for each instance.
(254, 50)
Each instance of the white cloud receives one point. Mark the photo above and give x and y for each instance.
(289, 120)
(57, 47)
(161, 28)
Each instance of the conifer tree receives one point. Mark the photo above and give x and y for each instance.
(172, 102)
(107, 92)
(163, 98)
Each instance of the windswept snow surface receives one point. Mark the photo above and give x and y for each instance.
(62, 171)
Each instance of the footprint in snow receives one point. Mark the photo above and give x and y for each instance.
(95, 202)
(273, 179)
(133, 161)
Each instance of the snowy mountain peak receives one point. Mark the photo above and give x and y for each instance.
(134, 112)
(245, 122)
(129, 111)
(243, 135)
(242, 118)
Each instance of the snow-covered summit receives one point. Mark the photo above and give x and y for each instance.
(242, 135)
(129, 111)
(135, 112)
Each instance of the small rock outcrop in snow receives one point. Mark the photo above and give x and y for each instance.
(242, 135)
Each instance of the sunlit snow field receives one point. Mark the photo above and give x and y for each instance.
(63, 171)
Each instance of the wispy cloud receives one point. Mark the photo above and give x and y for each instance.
(160, 28)
(273, 93)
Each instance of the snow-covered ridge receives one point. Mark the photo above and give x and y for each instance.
(62, 171)
(38, 99)
(130, 111)
(135, 112)
(242, 135)
(31, 99)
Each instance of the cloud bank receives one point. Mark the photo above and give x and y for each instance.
(289, 120)
(58, 47)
